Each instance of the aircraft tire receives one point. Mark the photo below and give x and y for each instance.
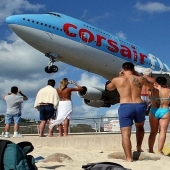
(54, 68)
(48, 70)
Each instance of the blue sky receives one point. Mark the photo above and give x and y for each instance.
(144, 23)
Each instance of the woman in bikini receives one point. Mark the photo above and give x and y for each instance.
(64, 108)
(159, 116)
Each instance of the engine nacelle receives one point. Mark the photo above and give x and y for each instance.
(90, 93)
(98, 103)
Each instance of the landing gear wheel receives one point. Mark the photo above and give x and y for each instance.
(48, 69)
(54, 68)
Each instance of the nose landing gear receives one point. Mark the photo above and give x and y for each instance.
(51, 68)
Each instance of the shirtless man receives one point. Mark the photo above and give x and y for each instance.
(131, 108)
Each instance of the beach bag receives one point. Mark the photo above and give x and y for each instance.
(103, 166)
(14, 156)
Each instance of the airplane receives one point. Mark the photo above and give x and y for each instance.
(77, 43)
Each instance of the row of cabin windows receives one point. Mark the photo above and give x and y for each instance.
(42, 24)
(46, 25)
(97, 30)
(109, 35)
(75, 34)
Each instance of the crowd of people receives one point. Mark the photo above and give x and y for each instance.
(133, 107)
(138, 95)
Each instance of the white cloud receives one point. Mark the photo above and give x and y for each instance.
(113, 112)
(152, 7)
(85, 111)
(120, 34)
(94, 81)
(84, 14)
(94, 20)
(10, 7)
(23, 66)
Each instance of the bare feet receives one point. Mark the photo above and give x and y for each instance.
(66, 135)
(128, 160)
(159, 152)
(151, 151)
(50, 135)
(140, 150)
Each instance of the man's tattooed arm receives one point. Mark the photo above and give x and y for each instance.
(147, 82)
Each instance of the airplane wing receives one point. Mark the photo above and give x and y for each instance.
(98, 97)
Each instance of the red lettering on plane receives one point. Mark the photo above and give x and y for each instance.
(66, 29)
(125, 52)
(114, 48)
(82, 34)
(135, 55)
(99, 40)
(142, 58)
(88, 36)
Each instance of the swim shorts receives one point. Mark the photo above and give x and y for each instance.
(47, 112)
(129, 112)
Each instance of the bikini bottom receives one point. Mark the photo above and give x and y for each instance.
(159, 113)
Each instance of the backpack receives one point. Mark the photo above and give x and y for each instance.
(103, 166)
(14, 156)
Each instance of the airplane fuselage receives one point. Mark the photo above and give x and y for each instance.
(80, 44)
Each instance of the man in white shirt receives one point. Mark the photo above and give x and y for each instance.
(46, 102)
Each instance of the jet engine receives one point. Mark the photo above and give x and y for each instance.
(97, 97)
(90, 93)
(98, 103)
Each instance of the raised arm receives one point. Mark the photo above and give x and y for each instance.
(79, 88)
(110, 85)
(24, 96)
(148, 81)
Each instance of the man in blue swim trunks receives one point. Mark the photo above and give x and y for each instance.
(131, 109)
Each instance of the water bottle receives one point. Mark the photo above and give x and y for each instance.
(2, 134)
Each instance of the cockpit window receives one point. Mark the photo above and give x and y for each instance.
(55, 14)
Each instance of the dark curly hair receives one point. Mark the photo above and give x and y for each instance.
(128, 66)
(161, 81)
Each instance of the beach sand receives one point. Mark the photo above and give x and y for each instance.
(82, 157)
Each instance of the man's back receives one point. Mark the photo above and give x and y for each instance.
(129, 87)
(13, 103)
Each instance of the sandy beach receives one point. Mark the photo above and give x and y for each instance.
(82, 157)
(84, 149)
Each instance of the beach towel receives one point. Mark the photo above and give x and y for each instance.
(64, 110)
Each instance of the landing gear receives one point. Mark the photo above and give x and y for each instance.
(51, 68)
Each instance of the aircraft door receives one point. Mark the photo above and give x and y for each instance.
(49, 31)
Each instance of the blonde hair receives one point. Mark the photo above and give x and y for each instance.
(63, 84)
